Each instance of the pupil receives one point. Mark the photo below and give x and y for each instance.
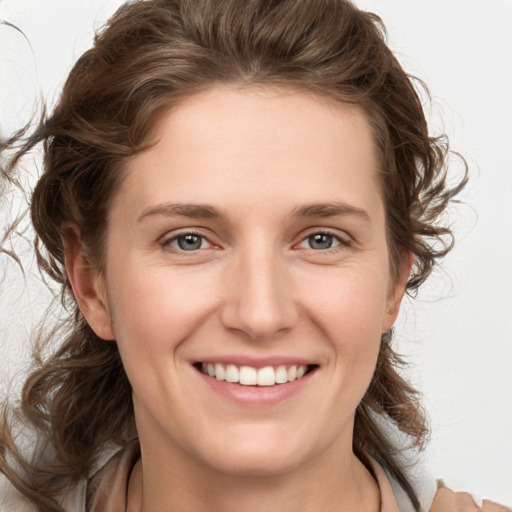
(189, 242)
(320, 241)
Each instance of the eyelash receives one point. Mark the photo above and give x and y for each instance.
(168, 242)
(341, 242)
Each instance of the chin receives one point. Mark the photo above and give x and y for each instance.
(254, 455)
(257, 464)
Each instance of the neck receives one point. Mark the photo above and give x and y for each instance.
(327, 483)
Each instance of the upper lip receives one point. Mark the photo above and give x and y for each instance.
(257, 362)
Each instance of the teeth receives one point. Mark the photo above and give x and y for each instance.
(248, 376)
(266, 376)
(219, 372)
(281, 375)
(232, 374)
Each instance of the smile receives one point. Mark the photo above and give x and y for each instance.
(249, 376)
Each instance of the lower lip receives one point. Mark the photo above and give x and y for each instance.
(257, 395)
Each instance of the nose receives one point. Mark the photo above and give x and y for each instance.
(259, 299)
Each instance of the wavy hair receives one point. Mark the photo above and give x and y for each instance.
(150, 55)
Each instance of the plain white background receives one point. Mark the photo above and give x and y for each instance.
(458, 333)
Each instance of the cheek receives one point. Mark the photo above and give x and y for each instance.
(349, 312)
(153, 315)
(153, 311)
(350, 303)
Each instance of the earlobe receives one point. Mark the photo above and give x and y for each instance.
(397, 291)
(86, 283)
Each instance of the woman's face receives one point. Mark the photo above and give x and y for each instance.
(250, 243)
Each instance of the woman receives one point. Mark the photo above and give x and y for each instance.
(235, 198)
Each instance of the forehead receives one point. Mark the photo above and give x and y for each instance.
(263, 114)
(227, 142)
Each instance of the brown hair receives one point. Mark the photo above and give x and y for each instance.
(149, 56)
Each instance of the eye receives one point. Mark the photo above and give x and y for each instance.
(188, 242)
(321, 242)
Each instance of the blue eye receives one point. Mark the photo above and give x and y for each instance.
(320, 242)
(189, 242)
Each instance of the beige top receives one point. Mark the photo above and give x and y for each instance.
(106, 492)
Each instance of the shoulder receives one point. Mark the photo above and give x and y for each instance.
(106, 489)
(446, 500)
(434, 496)
(11, 500)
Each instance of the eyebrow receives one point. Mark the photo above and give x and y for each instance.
(331, 209)
(193, 211)
(204, 211)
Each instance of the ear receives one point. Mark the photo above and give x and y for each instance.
(397, 290)
(87, 284)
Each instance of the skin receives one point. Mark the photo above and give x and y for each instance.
(256, 287)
